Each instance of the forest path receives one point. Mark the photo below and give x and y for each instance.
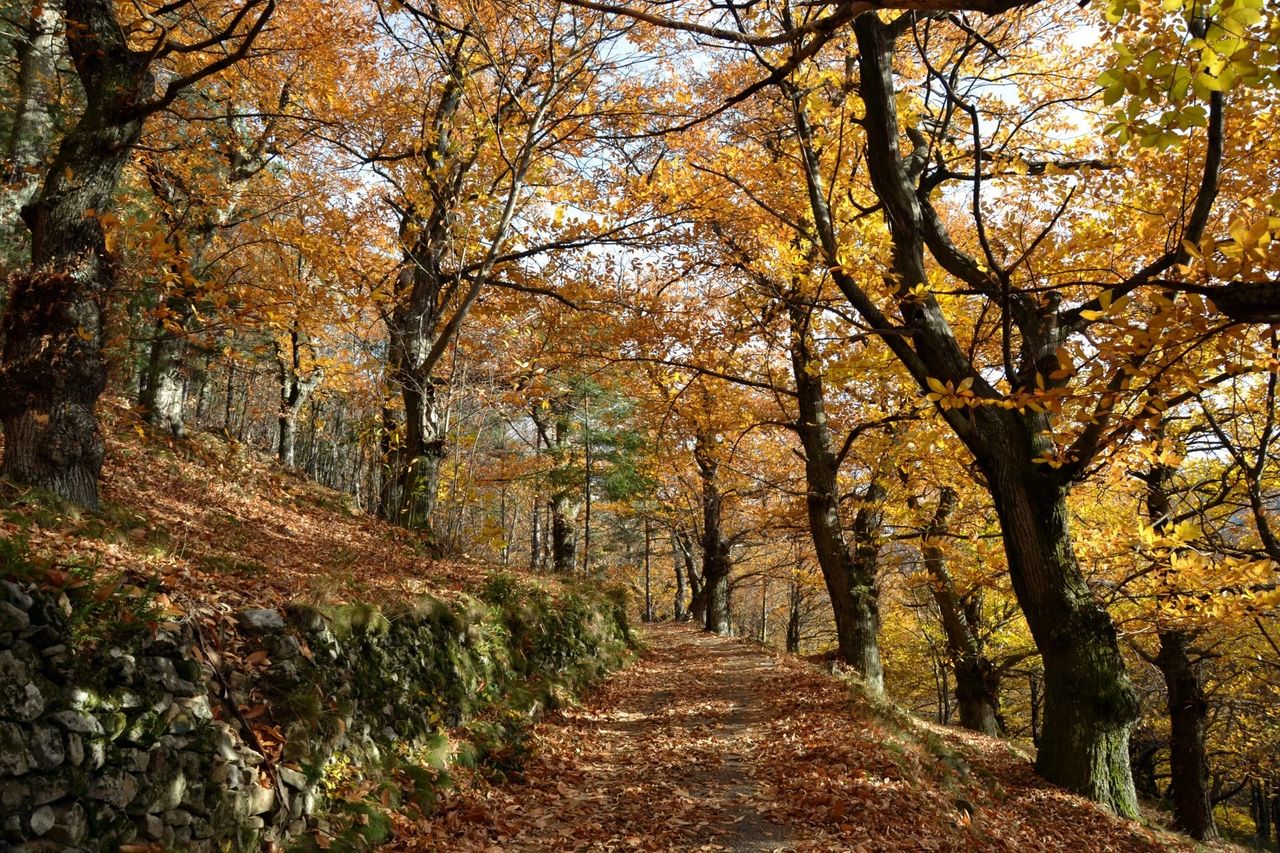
(660, 759)
(712, 744)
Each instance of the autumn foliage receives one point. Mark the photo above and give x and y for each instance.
(938, 339)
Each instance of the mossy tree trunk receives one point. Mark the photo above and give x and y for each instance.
(53, 369)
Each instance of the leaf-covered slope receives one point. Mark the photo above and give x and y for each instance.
(219, 522)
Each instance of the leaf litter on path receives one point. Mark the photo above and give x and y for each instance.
(714, 744)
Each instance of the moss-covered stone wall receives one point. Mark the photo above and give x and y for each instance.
(147, 736)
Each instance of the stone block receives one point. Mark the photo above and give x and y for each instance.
(47, 747)
(42, 820)
(115, 786)
(15, 759)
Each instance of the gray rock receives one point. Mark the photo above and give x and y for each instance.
(302, 804)
(178, 817)
(47, 787)
(292, 778)
(14, 757)
(260, 620)
(81, 698)
(125, 663)
(113, 723)
(75, 749)
(151, 826)
(126, 699)
(95, 754)
(116, 787)
(162, 671)
(283, 647)
(15, 596)
(42, 820)
(169, 794)
(13, 792)
(134, 759)
(47, 747)
(20, 698)
(12, 618)
(80, 722)
(261, 799)
(71, 826)
(201, 828)
(55, 651)
(41, 635)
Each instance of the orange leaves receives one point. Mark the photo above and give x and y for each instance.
(709, 744)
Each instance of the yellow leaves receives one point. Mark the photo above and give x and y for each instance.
(950, 395)
(1109, 306)
(1185, 53)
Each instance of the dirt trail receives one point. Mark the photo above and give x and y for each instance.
(710, 744)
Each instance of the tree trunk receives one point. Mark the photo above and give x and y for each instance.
(697, 588)
(53, 368)
(1260, 808)
(39, 45)
(716, 560)
(850, 582)
(422, 454)
(1089, 704)
(1188, 710)
(794, 618)
(296, 389)
(564, 533)
(1188, 760)
(389, 467)
(678, 607)
(161, 398)
(868, 525)
(977, 680)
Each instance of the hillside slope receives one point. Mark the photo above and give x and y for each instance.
(223, 523)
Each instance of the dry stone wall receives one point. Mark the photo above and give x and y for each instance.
(131, 738)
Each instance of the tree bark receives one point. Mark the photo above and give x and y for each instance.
(716, 560)
(1188, 710)
(678, 606)
(850, 579)
(162, 397)
(53, 368)
(423, 451)
(296, 389)
(564, 534)
(1089, 704)
(1188, 759)
(794, 618)
(39, 46)
(977, 679)
(697, 588)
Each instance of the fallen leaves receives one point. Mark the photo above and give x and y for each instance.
(710, 744)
